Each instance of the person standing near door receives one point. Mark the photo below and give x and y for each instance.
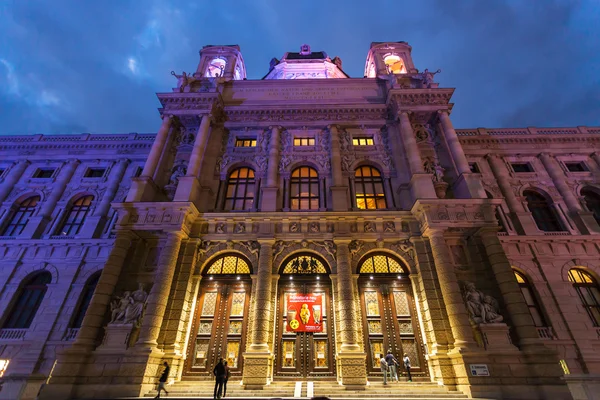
(392, 365)
(219, 373)
(384, 368)
(406, 362)
(227, 375)
(162, 381)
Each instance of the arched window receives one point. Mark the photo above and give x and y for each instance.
(76, 215)
(21, 216)
(304, 189)
(368, 185)
(228, 265)
(304, 264)
(215, 67)
(592, 201)
(29, 298)
(588, 291)
(543, 214)
(86, 298)
(530, 299)
(381, 264)
(240, 190)
(394, 64)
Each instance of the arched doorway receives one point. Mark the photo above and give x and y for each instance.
(389, 314)
(220, 318)
(304, 328)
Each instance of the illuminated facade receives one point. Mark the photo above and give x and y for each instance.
(299, 229)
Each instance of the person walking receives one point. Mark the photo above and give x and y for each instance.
(227, 375)
(162, 381)
(406, 362)
(384, 368)
(219, 373)
(392, 365)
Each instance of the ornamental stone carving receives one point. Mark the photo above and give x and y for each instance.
(389, 227)
(483, 309)
(314, 227)
(240, 227)
(128, 308)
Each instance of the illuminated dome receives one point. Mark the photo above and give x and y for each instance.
(306, 65)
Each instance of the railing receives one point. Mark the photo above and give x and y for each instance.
(12, 334)
(557, 233)
(70, 334)
(545, 333)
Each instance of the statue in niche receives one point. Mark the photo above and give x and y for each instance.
(435, 169)
(178, 171)
(482, 308)
(183, 80)
(118, 307)
(128, 308)
(240, 227)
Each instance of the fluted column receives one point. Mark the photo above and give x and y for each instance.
(346, 307)
(558, 178)
(270, 190)
(262, 304)
(59, 188)
(113, 185)
(410, 144)
(451, 293)
(454, 145)
(501, 174)
(157, 146)
(197, 155)
(12, 178)
(111, 273)
(511, 293)
(159, 294)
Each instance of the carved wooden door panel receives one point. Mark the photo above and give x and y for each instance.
(219, 327)
(304, 354)
(390, 322)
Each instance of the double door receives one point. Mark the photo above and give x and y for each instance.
(302, 353)
(390, 322)
(219, 327)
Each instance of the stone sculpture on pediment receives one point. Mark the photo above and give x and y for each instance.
(183, 80)
(482, 308)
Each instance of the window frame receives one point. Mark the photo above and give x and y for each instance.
(90, 173)
(20, 216)
(304, 142)
(589, 286)
(40, 171)
(581, 164)
(296, 185)
(531, 299)
(474, 168)
(248, 198)
(368, 141)
(22, 312)
(241, 143)
(528, 164)
(75, 216)
(369, 180)
(546, 217)
(85, 299)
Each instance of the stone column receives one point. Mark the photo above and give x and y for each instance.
(188, 187)
(339, 191)
(596, 157)
(95, 223)
(269, 191)
(511, 293)
(467, 185)
(352, 360)
(143, 188)
(11, 179)
(451, 292)
(558, 178)
(159, 294)
(501, 174)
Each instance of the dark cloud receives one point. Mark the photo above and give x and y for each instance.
(70, 67)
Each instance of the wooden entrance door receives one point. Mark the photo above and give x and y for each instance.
(304, 354)
(390, 321)
(219, 326)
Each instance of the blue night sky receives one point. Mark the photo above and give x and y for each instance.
(94, 66)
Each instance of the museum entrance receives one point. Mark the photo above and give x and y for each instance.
(304, 345)
(389, 314)
(220, 317)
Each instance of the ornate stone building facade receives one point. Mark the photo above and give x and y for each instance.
(300, 226)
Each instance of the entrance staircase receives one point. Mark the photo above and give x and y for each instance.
(418, 390)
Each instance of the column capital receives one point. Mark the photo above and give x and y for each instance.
(491, 156)
(180, 235)
(278, 127)
(123, 160)
(339, 241)
(167, 117)
(209, 115)
(266, 242)
(443, 112)
(333, 126)
(545, 154)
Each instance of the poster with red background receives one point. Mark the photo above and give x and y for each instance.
(304, 313)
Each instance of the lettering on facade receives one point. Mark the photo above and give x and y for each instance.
(297, 93)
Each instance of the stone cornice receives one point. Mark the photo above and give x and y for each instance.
(190, 103)
(407, 99)
(536, 140)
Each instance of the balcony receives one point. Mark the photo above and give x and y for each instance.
(12, 334)
(546, 333)
(70, 334)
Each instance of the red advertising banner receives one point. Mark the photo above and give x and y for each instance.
(304, 313)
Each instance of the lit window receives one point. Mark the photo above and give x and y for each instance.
(305, 264)
(394, 64)
(304, 189)
(245, 143)
(368, 185)
(362, 141)
(75, 218)
(304, 141)
(240, 190)
(215, 68)
(3, 367)
(44, 173)
(229, 265)
(21, 216)
(588, 291)
(29, 298)
(530, 299)
(381, 264)
(95, 172)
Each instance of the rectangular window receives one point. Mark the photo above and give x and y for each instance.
(95, 172)
(304, 141)
(2, 172)
(474, 168)
(362, 141)
(44, 173)
(245, 143)
(571, 167)
(521, 167)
